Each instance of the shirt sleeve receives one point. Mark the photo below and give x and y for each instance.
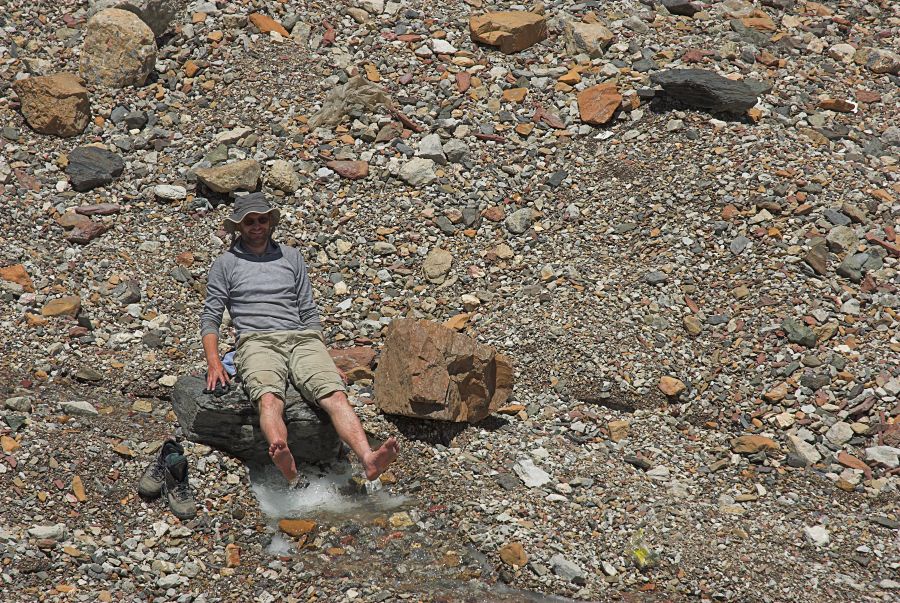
(306, 305)
(216, 299)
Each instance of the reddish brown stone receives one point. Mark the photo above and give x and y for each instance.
(751, 444)
(62, 306)
(352, 170)
(17, 274)
(86, 231)
(463, 81)
(431, 372)
(837, 104)
(867, 96)
(848, 460)
(266, 24)
(54, 104)
(597, 104)
(100, 209)
(494, 214)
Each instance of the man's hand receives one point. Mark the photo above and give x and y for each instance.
(215, 373)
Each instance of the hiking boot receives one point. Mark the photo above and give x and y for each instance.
(176, 489)
(152, 480)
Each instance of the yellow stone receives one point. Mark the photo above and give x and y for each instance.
(372, 73)
(9, 445)
(296, 527)
(142, 406)
(78, 489)
(514, 554)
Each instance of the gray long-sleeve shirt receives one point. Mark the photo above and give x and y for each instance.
(270, 292)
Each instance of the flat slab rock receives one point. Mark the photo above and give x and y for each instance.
(706, 90)
(229, 423)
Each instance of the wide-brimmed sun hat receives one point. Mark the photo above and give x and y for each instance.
(254, 203)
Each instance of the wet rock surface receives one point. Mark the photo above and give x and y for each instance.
(752, 257)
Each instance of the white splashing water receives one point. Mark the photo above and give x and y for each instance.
(323, 495)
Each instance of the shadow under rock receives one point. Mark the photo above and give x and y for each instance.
(440, 432)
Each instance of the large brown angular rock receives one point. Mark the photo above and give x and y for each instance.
(119, 49)
(428, 371)
(55, 104)
(511, 31)
(235, 176)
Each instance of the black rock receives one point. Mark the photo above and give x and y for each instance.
(90, 167)
(136, 120)
(706, 90)
(230, 424)
(685, 8)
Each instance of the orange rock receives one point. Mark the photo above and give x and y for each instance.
(372, 73)
(458, 322)
(777, 393)
(751, 444)
(17, 274)
(296, 527)
(671, 386)
(8, 444)
(597, 104)
(78, 489)
(232, 555)
(191, 68)
(266, 24)
(618, 430)
(62, 306)
(513, 554)
(515, 95)
(571, 78)
(759, 21)
(524, 129)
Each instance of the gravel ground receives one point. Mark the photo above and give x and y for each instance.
(670, 243)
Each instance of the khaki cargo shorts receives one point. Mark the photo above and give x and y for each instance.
(266, 361)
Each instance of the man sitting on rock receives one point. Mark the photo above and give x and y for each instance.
(266, 289)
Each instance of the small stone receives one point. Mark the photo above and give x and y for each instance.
(511, 31)
(519, 221)
(598, 104)
(799, 333)
(839, 434)
(884, 455)
(90, 167)
(418, 172)
(618, 430)
(266, 24)
(671, 386)
(169, 192)
(514, 554)
(283, 177)
(752, 444)
(530, 474)
(352, 170)
(566, 569)
(437, 264)
(227, 178)
(78, 408)
(817, 535)
(69, 305)
(296, 527)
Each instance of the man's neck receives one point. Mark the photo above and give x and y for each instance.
(255, 249)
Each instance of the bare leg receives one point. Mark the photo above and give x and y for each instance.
(350, 430)
(272, 424)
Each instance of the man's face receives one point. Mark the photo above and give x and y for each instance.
(255, 228)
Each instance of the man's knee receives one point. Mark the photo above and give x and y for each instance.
(334, 401)
(270, 403)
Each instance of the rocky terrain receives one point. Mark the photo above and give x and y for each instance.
(694, 275)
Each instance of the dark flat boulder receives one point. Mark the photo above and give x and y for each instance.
(706, 90)
(230, 424)
(90, 167)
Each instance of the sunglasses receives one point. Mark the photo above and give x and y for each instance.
(250, 221)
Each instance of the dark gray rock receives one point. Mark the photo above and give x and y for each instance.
(797, 332)
(685, 8)
(229, 423)
(90, 167)
(706, 90)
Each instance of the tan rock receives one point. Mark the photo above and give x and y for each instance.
(513, 554)
(429, 371)
(511, 31)
(671, 386)
(587, 38)
(751, 444)
(283, 177)
(838, 105)
(55, 104)
(777, 393)
(266, 24)
(597, 104)
(437, 264)
(17, 274)
(618, 430)
(62, 306)
(692, 324)
(296, 527)
(230, 177)
(78, 489)
(119, 49)
(232, 555)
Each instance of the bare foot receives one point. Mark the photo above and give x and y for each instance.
(378, 460)
(284, 460)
